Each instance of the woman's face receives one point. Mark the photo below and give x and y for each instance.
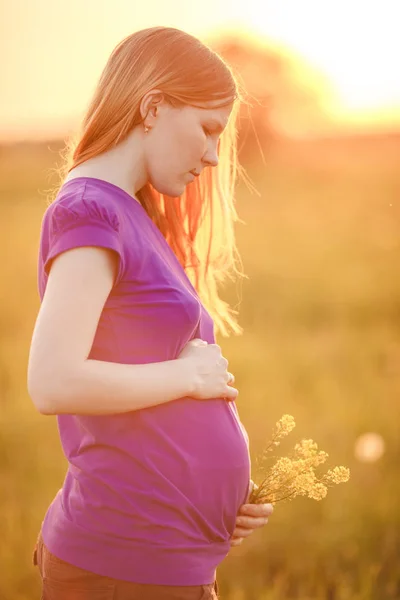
(181, 140)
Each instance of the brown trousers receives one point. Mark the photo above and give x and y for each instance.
(63, 581)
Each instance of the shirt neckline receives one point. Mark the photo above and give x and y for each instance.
(115, 187)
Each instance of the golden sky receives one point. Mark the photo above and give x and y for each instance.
(53, 51)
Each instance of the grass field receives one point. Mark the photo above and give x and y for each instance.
(321, 317)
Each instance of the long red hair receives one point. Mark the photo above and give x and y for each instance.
(199, 224)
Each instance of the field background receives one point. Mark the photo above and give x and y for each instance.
(321, 317)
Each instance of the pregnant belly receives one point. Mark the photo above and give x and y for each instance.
(174, 475)
(202, 453)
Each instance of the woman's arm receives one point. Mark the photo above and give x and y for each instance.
(61, 379)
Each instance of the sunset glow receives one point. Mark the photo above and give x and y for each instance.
(53, 53)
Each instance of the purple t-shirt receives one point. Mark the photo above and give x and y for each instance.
(151, 495)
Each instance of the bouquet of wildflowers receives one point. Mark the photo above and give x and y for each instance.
(295, 475)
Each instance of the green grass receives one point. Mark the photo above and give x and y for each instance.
(321, 318)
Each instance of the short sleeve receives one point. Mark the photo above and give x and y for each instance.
(77, 221)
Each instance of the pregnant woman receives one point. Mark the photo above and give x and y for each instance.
(123, 350)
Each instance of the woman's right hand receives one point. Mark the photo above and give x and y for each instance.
(209, 371)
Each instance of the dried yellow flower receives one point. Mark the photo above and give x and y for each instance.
(285, 425)
(295, 475)
(338, 475)
(318, 492)
(306, 448)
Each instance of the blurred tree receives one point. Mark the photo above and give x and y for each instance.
(286, 95)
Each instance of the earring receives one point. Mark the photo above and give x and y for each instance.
(146, 129)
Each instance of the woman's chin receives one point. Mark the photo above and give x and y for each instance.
(171, 190)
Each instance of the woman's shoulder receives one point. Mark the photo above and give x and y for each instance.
(78, 201)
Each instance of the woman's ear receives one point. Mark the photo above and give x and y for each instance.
(149, 105)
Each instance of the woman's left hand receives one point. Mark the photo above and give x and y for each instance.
(249, 518)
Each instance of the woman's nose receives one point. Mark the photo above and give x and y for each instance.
(211, 158)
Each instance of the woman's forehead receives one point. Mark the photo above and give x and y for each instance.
(221, 104)
(220, 113)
